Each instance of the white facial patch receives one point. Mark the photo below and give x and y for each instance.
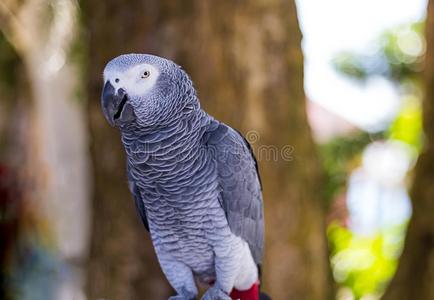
(136, 81)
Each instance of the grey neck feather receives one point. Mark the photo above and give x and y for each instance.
(164, 152)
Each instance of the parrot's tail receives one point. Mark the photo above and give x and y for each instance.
(251, 294)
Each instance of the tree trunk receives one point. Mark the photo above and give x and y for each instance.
(122, 263)
(246, 61)
(43, 33)
(415, 275)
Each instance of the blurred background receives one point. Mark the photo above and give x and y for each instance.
(342, 89)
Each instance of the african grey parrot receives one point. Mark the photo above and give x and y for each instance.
(194, 179)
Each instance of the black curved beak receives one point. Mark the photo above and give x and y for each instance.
(115, 105)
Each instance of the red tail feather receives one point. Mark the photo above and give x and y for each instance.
(250, 294)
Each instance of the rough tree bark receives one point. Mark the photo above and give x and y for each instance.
(415, 275)
(246, 61)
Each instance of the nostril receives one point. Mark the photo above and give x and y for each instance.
(117, 80)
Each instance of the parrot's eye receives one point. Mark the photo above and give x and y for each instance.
(146, 74)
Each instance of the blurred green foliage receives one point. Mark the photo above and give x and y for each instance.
(365, 264)
(407, 126)
(398, 56)
(339, 157)
(403, 49)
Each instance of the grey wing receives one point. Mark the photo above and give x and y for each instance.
(241, 192)
(137, 199)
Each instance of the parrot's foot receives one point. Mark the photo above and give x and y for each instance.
(215, 293)
(184, 295)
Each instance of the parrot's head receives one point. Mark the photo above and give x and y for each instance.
(143, 90)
